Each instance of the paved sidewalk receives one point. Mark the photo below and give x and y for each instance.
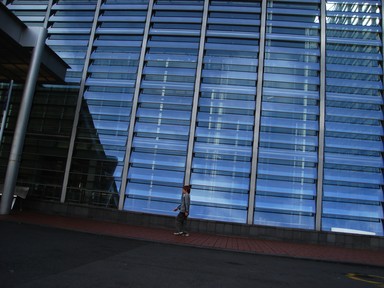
(219, 242)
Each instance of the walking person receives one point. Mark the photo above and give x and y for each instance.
(181, 218)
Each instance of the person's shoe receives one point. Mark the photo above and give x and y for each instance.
(178, 233)
(185, 234)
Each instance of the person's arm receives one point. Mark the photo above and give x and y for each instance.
(187, 203)
(177, 208)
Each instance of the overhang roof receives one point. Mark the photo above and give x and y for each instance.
(17, 41)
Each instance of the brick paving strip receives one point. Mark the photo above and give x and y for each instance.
(220, 242)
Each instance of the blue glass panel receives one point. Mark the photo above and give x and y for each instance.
(170, 114)
(353, 210)
(348, 159)
(378, 115)
(231, 118)
(225, 118)
(289, 139)
(162, 177)
(287, 168)
(169, 71)
(285, 204)
(286, 171)
(241, 7)
(284, 220)
(219, 213)
(224, 133)
(289, 123)
(235, 104)
(167, 85)
(342, 54)
(148, 144)
(169, 100)
(204, 197)
(353, 226)
(353, 176)
(150, 205)
(221, 165)
(164, 108)
(109, 86)
(235, 34)
(269, 186)
(229, 74)
(353, 128)
(357, 193)
(270, 106)
(228, 89)
(236, 183)
(271, 153)
(291, 78)
(148, 160)
(292, 53)
(222, 149)
(109, 82)
(356, 83)
(107, 96)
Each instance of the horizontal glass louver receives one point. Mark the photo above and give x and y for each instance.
(287, 188)
(108, 98)
(353, 177)
(225, 118)
(287, 168)
(161, 132)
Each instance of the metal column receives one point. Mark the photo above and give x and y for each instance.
(22, 124)
(5, 111)
(320, 166)
(256, 132)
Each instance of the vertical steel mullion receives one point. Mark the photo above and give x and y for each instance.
(382, 75)
(135, 101)
(48, 13)
(5, 110)
(192, 128)
(256, 131)
(79, 101)
(320, 166)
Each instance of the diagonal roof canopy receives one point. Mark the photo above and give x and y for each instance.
(17, 41)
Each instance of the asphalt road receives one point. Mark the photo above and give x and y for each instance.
(35, 256)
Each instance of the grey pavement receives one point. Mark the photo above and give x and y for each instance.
(57, 255)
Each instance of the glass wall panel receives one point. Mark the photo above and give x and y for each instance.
(69, 30)
(287, 160)
(50, 123)
(353, 174)
(101, 140)
(31, 12)
(47, 140)
(160, 142)
(287, 151)
(221, 164)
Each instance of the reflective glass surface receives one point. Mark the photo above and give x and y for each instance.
(353, 175)
(161, 132)
(100, 145)
(287, 158)
(47, 138)
(102, 42)
(221, 165)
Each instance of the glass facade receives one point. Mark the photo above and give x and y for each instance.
(271, 110)
(287, 166)
(353, 165)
